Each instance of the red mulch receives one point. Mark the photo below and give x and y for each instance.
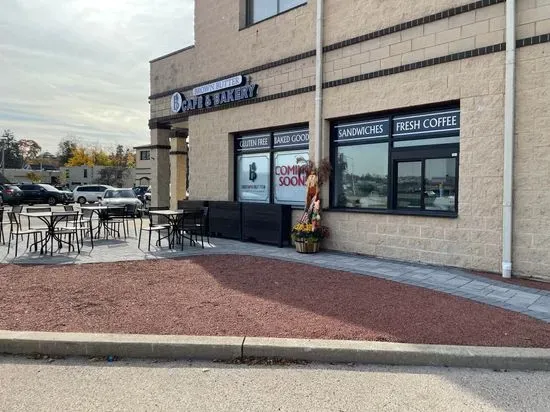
(248, 296)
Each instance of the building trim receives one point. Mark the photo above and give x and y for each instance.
(496, 48)
(178, 152)
(142, 147)
(160, 146)
(157, 125)
(156, 59)
(345, 43)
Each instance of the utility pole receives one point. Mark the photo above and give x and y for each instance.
(3, 157)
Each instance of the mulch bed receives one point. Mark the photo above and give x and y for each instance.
(249, 296)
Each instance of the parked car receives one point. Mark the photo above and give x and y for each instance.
(43, 193)
(11, 195)
(89, 193)
(141, 192)
(121, 197)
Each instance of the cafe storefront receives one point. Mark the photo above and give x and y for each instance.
(412, 121)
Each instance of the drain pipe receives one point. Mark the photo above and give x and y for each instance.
(319, 83)
(509, 119)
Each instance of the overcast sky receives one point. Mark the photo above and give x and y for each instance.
(81, 67)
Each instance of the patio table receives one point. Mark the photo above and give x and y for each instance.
(51, 220)
(104, 217)
(174, 219)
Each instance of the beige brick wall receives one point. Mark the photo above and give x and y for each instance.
(532, 163)
(221, 48)
(455, 34)
(473, 239)
(211, 140)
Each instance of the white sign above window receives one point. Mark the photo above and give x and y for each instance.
(219, 85)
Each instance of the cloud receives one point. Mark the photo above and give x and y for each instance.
(81, 68)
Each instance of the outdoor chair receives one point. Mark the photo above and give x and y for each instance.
(130, 214)
(114, 218)
(2, 237)
(16, 231)
(32, 222)
(85, 225)
(159, 227)
(70, 231)
(193, 223)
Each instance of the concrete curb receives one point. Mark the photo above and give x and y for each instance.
(229, 348)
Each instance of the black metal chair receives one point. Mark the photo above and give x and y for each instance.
(130, 212)
(2, 237)
(85, 225)
(16, 231)
(158, 227)
(68, 231)
(193, 223)
(32, 221)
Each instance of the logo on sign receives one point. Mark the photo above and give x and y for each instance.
(252, 175)
(176, 102)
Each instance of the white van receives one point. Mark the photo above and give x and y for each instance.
(89, 193)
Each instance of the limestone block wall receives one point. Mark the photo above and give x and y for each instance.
(211, 137)
(532, 163)
(473, 239)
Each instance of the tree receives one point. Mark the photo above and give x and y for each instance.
(80, 157)
(29, 149)
(34, 177)
(12, 154)
(113, 176)
(65, 150)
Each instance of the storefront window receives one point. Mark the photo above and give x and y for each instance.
(405, 162)
(267, 167)
(362, 178)
(259, 10)
(253, 178)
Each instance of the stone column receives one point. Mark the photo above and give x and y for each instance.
(160, 166)
(178, 166)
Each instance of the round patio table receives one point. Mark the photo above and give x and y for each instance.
(104, 217)
(51, 220)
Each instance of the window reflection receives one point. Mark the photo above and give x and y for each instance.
(361, 176)
(440, 184)
(409, 185)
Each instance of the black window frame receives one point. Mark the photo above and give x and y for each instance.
(272, 150)
(144, 155)
(250, 11)
(396, 154)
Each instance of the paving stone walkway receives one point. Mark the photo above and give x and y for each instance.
(529, 301)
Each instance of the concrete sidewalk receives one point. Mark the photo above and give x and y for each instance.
(529, 301)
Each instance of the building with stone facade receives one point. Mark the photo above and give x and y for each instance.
(439, 155)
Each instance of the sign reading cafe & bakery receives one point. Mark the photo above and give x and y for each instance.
(215, 94)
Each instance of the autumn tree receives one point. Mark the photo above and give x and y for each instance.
(65, 150)
(80, 157)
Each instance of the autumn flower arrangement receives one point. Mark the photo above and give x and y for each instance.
(308, 232)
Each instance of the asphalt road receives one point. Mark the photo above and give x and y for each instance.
(84, 385)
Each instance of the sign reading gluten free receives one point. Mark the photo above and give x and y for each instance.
(234, 89)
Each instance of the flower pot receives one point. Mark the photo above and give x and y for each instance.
(307, 245)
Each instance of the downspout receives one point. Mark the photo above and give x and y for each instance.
(319, 83)
(509, 118)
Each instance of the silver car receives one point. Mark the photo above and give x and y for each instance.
(120, 197)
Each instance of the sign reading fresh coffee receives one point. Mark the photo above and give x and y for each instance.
(215, 97)
(429, 123)
(374, 129)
